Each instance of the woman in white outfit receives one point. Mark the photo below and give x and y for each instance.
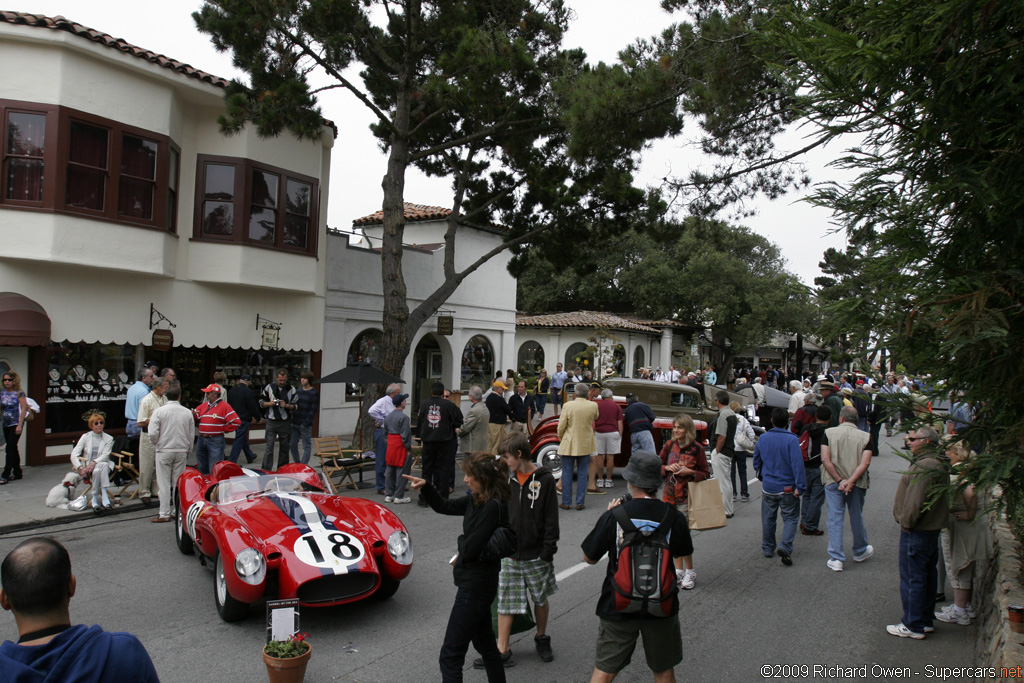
(91, 459)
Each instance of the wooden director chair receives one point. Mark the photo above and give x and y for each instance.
(337, 462)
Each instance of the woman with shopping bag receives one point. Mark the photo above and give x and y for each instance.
(683, 461)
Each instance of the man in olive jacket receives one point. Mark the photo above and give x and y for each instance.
(921, 510)
(473, 432)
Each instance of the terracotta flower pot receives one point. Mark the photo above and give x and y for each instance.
(290, 670)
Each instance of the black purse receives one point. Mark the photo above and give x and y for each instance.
(503, 542)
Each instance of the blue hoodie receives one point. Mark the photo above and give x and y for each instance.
(779, 462)
(82, 654)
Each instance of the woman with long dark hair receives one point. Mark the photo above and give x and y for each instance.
(483, 510)
(15, 410)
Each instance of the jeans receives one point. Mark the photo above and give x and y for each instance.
(380, 449)
(812, 499)
(12, 465)
(838, 504)
(394, 482)
(277, 430)
(241, 444)
(739, 462)
(305, 433)
(540, 402)
(132, 428)
(918, 574)
(470, 622)
(642, 441)
(209, 452)
(581, 464)
(770, 504)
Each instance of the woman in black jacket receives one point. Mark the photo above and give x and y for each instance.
(475, 573)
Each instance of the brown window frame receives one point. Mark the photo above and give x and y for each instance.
(56, 160)
(242, 202)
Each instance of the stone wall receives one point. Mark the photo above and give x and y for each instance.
(1001, 585)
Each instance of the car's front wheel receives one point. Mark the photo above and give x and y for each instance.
(181, 536)
(228, 608)
(548, 457)
(388, 586)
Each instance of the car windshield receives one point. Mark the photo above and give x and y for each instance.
(240, 488)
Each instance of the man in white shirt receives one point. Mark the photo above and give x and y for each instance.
(796, 400)
(378, 411)
(147, 453)
(172, 430)
(673, 375)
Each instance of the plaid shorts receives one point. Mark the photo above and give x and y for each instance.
(519, 575)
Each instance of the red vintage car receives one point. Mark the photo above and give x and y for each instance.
(279, 534)
(544, 440)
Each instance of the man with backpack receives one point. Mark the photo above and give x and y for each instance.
(810, 448)
(639, 596)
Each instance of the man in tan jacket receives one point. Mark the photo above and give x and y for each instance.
(577, 444)
(473, 432)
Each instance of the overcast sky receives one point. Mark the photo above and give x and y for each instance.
(601, 28)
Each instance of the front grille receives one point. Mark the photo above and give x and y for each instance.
(336, 587)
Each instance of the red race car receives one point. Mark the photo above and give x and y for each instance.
(279, 534)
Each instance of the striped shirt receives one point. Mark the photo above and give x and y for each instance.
(216, 418)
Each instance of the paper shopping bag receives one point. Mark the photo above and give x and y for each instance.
(706, 509)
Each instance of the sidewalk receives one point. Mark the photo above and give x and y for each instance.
(23, 502)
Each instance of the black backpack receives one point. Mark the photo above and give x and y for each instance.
(644, 578)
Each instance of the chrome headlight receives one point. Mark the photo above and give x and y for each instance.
(400, 547)
(250, 566)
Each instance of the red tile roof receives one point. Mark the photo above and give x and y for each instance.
(413, 213)
(60, 23)
(584, 319)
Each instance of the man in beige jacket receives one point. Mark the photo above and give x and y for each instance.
(473, 432)
(577, 444)
(172, 430)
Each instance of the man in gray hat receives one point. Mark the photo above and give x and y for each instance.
(617, 635)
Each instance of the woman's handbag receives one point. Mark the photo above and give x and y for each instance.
(706, 509)
(742, 442)
(503, 542)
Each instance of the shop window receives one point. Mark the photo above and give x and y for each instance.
(638, 360)
(531, 359)
(24, 160)
(247, 202)
(579, 355)
(619, 360)
(81, 377)
(107, 170)
(477, 363)
(364, 348)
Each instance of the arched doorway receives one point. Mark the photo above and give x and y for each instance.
(638, 360)
(477, 363)
(579, 355)
(531, 359)
(428, 367)
(619, 360)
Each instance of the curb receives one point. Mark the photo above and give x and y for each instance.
(61, 521)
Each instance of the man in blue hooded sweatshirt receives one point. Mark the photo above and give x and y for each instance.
(37, 585)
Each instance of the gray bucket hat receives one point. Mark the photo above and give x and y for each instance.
(643, 470)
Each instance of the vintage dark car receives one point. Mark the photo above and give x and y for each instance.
(665, 400)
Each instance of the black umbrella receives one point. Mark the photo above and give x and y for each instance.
(360, 373)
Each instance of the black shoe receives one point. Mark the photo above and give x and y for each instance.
(811, 532)
(543, 644)
(786, 559)
(940, 597)
(422, 502)
(506, 660)
(15, 476)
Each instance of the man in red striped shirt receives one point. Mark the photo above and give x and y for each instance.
(216, 418)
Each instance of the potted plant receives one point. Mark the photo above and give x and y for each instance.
(286, 659)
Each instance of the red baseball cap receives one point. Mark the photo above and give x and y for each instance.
(211, 387)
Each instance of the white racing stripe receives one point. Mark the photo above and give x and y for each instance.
(312, 518)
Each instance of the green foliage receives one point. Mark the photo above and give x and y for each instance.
(935, 217)
(295, 646)
(700, 272)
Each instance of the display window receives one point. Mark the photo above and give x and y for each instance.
(82, 377)
(477, 363)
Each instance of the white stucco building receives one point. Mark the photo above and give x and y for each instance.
(482, 339)
(119, 196)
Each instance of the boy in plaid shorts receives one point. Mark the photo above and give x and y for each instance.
(533, 513)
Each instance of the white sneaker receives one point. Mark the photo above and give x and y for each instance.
(407, 499)
(689, 580)
(971, 612)
(388, 499)
(835, 565)
(600, 483)
(902, 631)
(952, 615)
(680, 576)
(868, 552)
(608, 483)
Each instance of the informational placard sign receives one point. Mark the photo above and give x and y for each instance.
(445, 324)
(163, 340)
(270, 337)
(282, 619)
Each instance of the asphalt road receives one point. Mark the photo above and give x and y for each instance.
(745, 613)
